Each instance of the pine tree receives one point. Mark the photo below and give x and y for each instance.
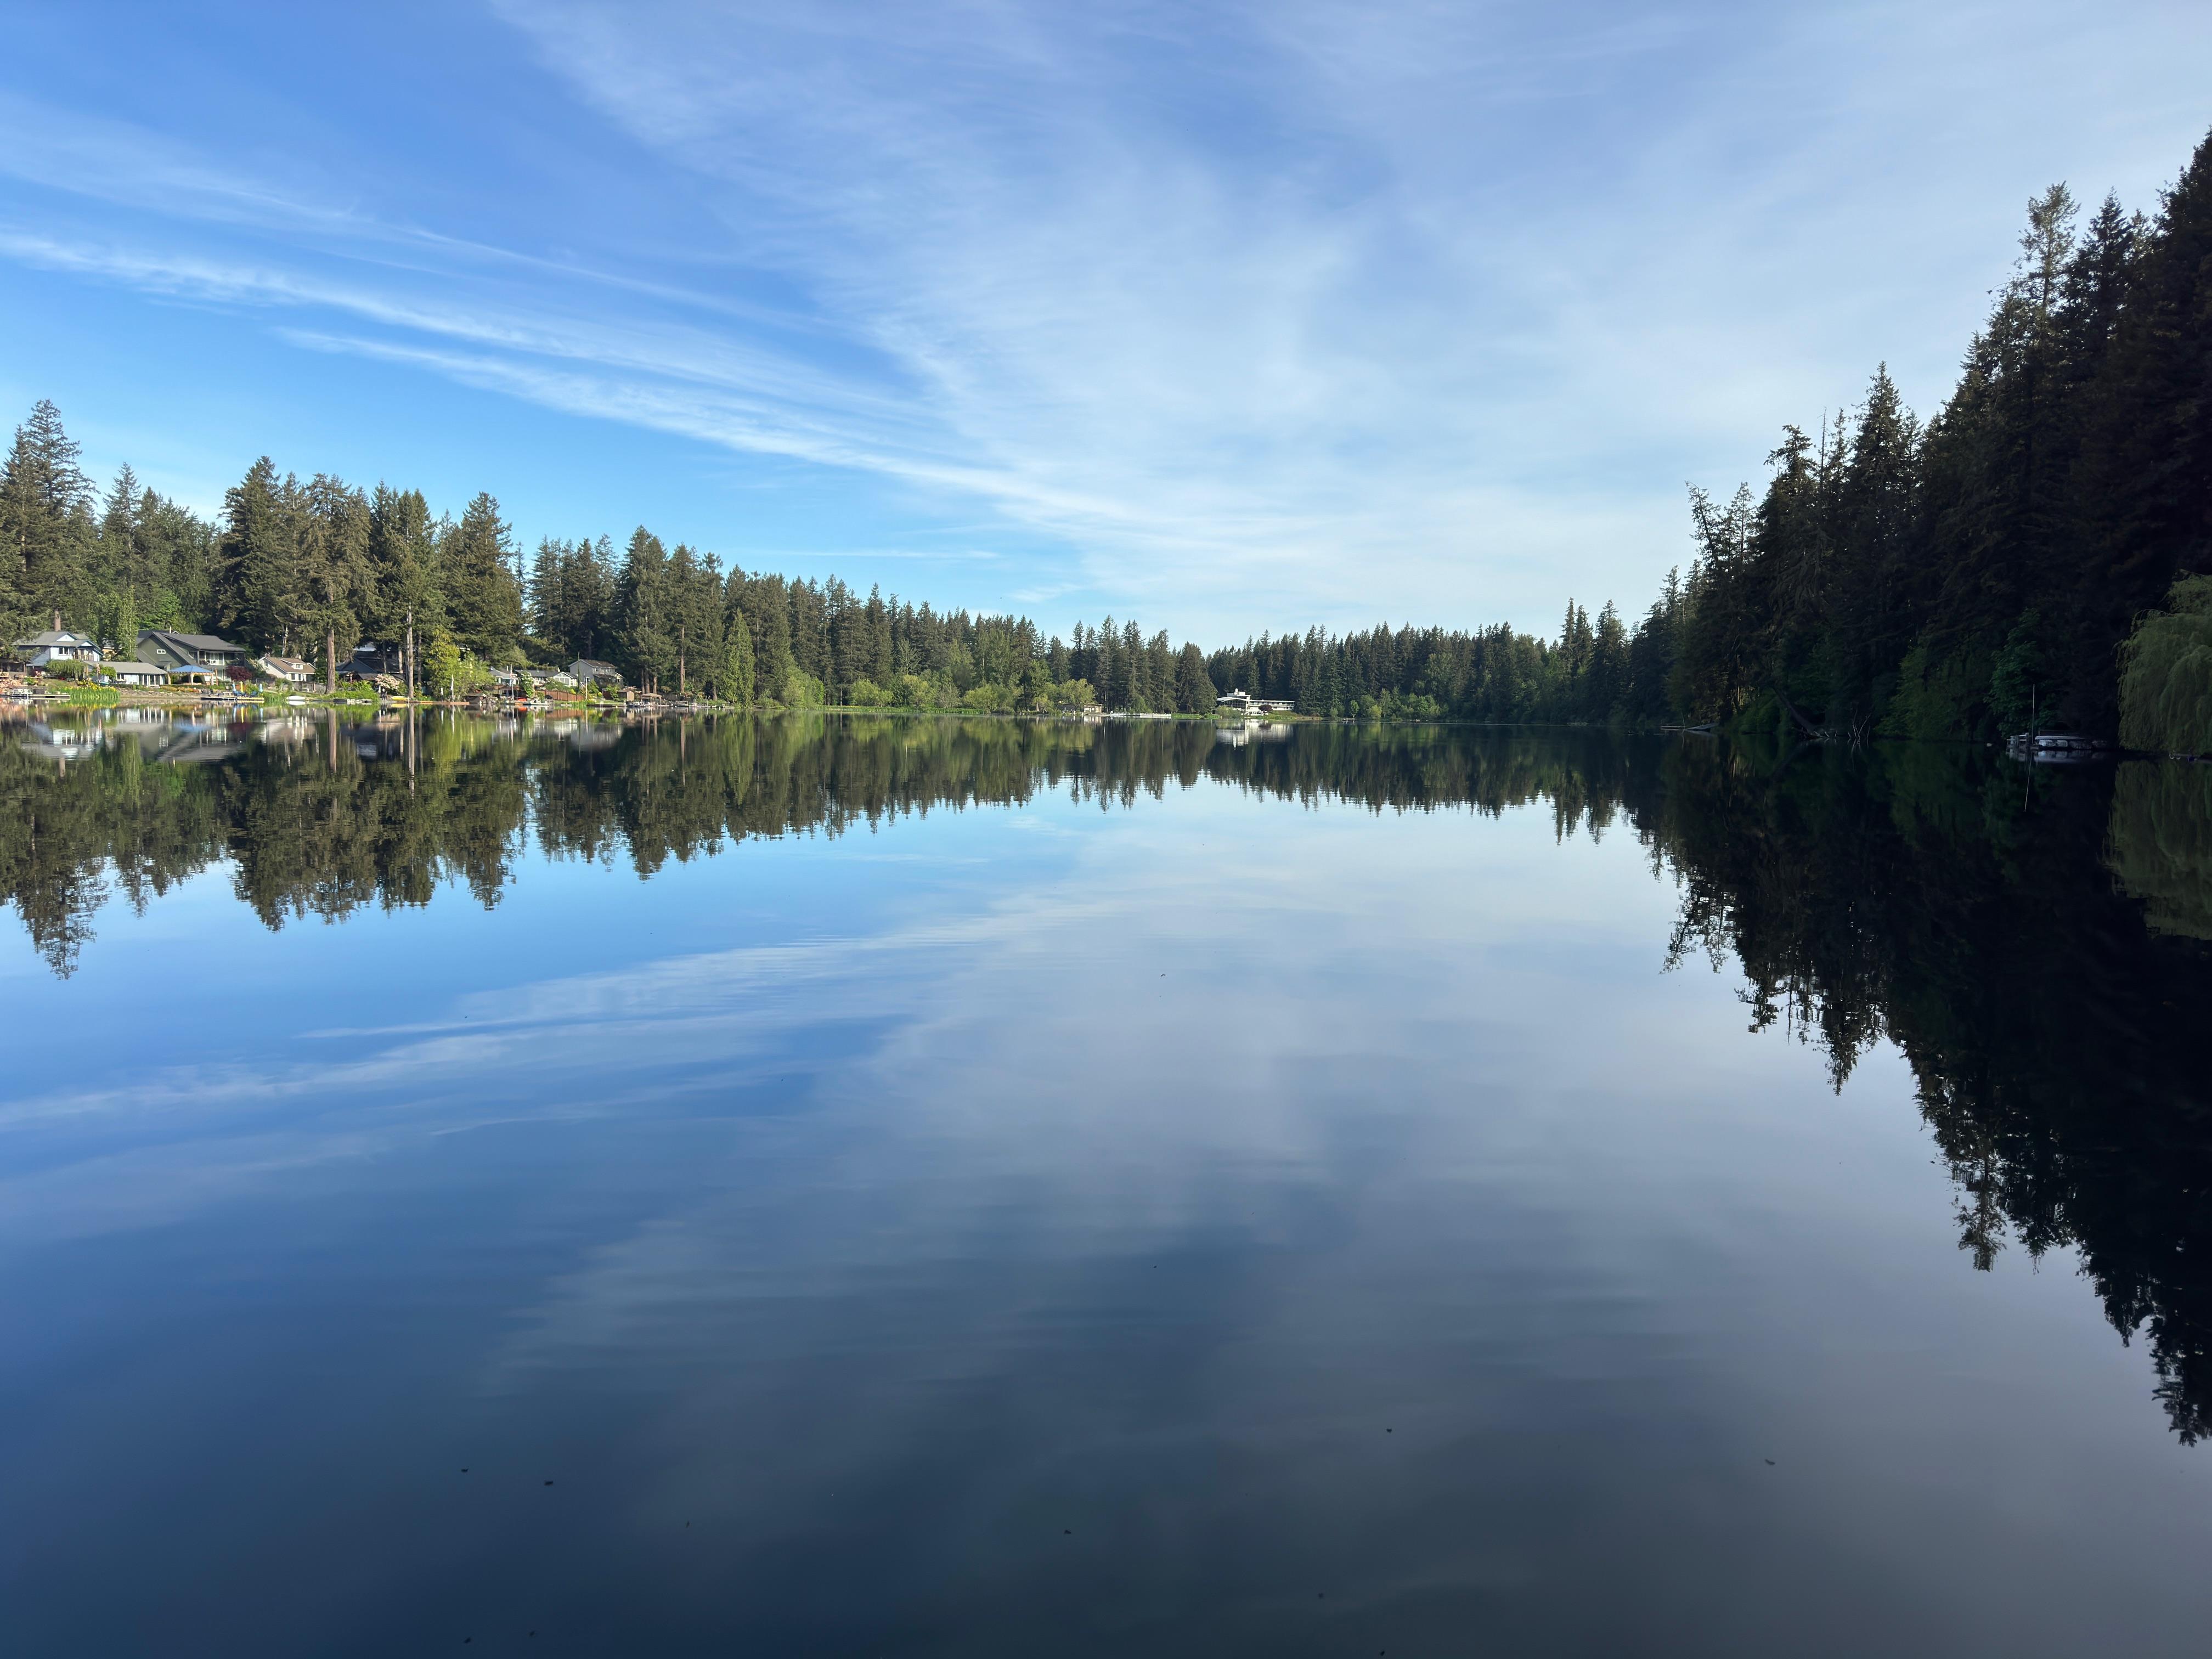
(738, 680)
(545, 603)
(483, 595)
(46, 532)
(336, 574)
(643, 622)
(1193, 691)
(256, 591)
(402, 601)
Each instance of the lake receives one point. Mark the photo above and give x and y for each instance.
(826, 1185)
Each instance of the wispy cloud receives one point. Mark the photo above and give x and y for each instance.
(1307, 307)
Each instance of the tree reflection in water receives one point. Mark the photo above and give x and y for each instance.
(2037, 946)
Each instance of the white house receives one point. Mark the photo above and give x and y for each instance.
(132, 673)
(57, 645)
(1243, 702)
(288, 671)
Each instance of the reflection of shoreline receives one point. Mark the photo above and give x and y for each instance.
(323, 816)
(2160, 843)
(2053, 1018)
(2042, 957)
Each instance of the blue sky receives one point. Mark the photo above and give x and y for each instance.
(1229, 316)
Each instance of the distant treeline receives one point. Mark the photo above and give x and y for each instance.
(1960, 578)
(310, 568)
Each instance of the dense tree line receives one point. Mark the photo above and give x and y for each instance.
(1598, 671)
(310, 568)
(1968, 576)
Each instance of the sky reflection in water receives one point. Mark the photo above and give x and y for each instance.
(1221, 1200)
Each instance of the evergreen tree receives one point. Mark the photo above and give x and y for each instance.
(737, 684)
(335, 572)
(257, 595)
(1193, 691)
(402, 599)
(483, 595)
(644, 618)
(46, 531)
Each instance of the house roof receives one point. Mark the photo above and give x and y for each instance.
(51, 638)
(287, 665)
(131, 668)
(590, 665)
(196, 668)
(197, 642)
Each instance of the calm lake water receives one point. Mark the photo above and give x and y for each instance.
(939, 1188)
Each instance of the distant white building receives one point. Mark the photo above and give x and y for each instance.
(1243, 702)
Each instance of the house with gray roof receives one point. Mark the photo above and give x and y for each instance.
(172, 650)
(55, 645)
(120, 674)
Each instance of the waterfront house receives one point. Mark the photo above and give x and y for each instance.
(370, 658)
(121, 674)
(1243, 702)
(585, 671)
(173, 651)
(55, 645)
(286, 671)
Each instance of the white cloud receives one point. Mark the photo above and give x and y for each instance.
(1267, 314)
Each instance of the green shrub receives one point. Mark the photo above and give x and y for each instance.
(989, 699)
(2166, 674)
(1938, 696)
(921, 691)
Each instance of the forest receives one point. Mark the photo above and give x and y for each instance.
(2025, 556)
(2036, 553)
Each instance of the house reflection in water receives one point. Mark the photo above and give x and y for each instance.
(1251, 731)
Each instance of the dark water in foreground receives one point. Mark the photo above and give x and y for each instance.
(929, 1188)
